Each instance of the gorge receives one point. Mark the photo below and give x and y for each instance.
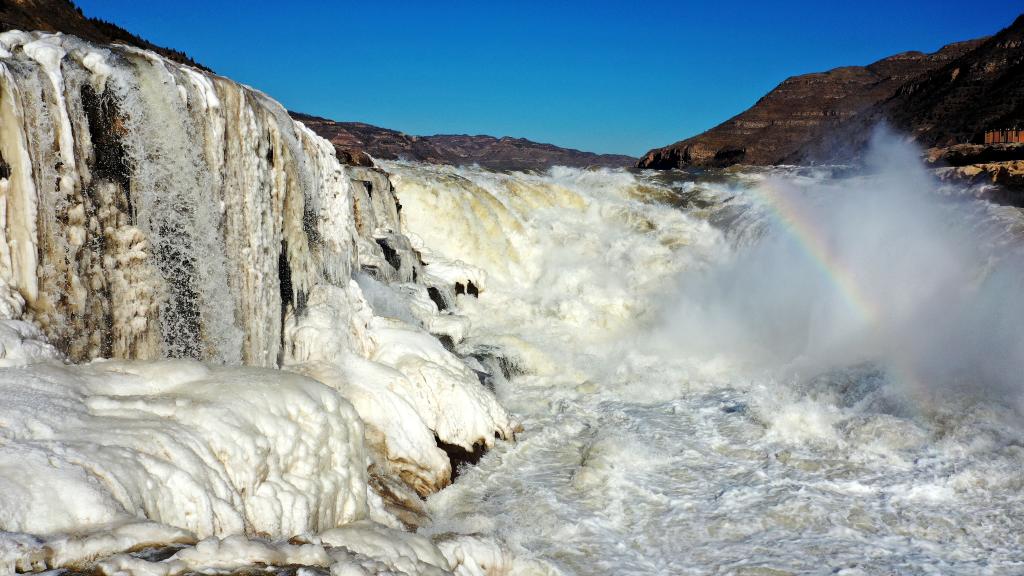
(239, 340)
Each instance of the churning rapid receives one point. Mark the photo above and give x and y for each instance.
(224, 351)
(772, 372)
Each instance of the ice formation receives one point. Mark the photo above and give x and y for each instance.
(184, 347)
(209, 450)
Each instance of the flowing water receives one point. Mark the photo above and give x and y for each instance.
(768, 372)
(222, 351)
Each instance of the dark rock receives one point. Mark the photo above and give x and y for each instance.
(352, 156)
(390, 254)
(437, 298)
(468, 288)
(446, 341)
(460, 457)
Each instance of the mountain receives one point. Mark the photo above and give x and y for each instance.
(952, 104)
(64, 16)
(353, 140)
(802, 109)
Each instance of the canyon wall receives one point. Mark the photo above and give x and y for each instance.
(801, 110)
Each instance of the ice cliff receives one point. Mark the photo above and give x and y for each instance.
(210, 327)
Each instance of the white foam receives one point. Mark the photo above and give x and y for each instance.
(645, 453)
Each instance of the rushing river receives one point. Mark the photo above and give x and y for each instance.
(772, 372)
(221, 351)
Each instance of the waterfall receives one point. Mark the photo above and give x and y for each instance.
(222, 350)
(718, 372)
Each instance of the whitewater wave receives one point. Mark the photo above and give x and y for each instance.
(772, 371)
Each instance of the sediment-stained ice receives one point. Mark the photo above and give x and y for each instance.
(407, 387)
(444, 390)
(226, 463)
(359, 548)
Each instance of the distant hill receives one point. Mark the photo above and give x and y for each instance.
(354, 139)
(64, 16)
(782, 125)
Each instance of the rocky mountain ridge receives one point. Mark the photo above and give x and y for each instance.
(799, 110)
(354, 140)
(952, 104)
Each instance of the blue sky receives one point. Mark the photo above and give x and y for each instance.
(603, 76)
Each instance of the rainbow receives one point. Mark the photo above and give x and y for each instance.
(795, 219)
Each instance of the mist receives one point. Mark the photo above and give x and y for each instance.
(885, 266)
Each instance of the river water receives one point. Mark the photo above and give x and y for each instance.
(223, 351)
(761, 372)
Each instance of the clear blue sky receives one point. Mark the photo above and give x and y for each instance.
(603, 76)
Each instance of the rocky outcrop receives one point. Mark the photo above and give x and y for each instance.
(1000, 164)
(1009, 173)
(64, 16)
(1006, 179)
(967, 154)
(354, 140)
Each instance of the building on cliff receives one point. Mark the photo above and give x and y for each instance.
(1013, 136)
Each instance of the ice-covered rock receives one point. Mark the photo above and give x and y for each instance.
(151, 210)
(444, 390)
(408, 388)
(209, 450)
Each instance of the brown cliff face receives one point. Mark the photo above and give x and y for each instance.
(982, 90)
(64, 16)
(953, 104)
(355, 140)
(799, 110)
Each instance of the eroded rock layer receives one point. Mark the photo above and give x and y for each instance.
(798, 111)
